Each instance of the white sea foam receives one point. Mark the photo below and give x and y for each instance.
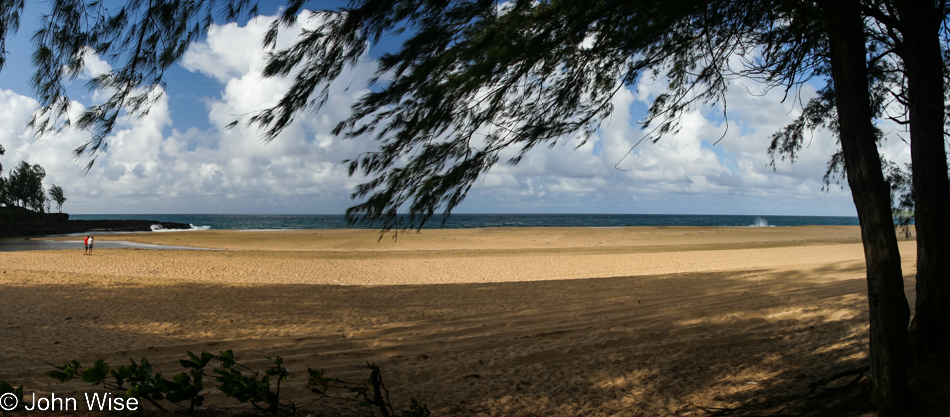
(760, 222)
(159, 228)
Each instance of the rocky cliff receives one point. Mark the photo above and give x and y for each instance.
(17, 221)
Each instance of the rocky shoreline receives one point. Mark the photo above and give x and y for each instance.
(16, 221)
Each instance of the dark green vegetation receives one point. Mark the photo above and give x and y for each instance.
(26, 207)
(56, 194)
(186, 390)
(475, 77)
(24, 188)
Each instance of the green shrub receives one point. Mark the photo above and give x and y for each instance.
(186, 389)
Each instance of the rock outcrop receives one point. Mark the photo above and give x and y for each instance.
(17, 221)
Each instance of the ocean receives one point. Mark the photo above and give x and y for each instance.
(467, 221)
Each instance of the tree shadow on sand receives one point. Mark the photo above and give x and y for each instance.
(736, 343)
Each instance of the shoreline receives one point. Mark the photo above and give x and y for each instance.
(467, 220)
(21, 244)
(490, 237)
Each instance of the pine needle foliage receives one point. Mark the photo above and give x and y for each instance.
(478, 82)
(140, 39)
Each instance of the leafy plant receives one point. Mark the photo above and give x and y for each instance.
(6, 388)
(137, 380)
(187, 388)
(371, 394)
(248, 387)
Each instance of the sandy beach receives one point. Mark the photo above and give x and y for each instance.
(495, 322)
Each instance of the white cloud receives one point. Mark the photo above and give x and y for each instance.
(94, 66)
(229, 50)
(681, 173)
(153, 165)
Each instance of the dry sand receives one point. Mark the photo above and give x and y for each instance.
(507, 322)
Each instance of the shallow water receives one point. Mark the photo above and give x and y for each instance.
(21, 244)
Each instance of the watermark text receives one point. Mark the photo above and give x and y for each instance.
(96, 401)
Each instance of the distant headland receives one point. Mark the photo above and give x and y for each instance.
(18, 221)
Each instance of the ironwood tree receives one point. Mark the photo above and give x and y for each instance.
(476, 77)
(140, 40)
(57, 195)
(889, 311)
(3, 181)
(918, 45)
(908, 76)
(24, 187)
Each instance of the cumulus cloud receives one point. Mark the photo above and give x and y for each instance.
(151, 166)
(712, 165)
(155, 165)
(94, 66)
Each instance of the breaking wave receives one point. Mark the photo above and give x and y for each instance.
(760, 222)
(159, 228)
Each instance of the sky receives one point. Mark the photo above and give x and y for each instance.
(182, 159)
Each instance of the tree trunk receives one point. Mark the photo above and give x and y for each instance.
(923, 66)
(889, 311)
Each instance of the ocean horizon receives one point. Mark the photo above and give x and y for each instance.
(471, 220)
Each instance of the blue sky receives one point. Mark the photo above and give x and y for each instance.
(181, 159)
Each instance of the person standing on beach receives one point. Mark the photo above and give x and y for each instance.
(85, 245)
(90, 245)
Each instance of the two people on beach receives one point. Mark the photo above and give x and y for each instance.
(87, 242)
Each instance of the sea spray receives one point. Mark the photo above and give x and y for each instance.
(160, 228)
(760, 222)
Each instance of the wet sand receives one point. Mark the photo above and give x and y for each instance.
(36, 244)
